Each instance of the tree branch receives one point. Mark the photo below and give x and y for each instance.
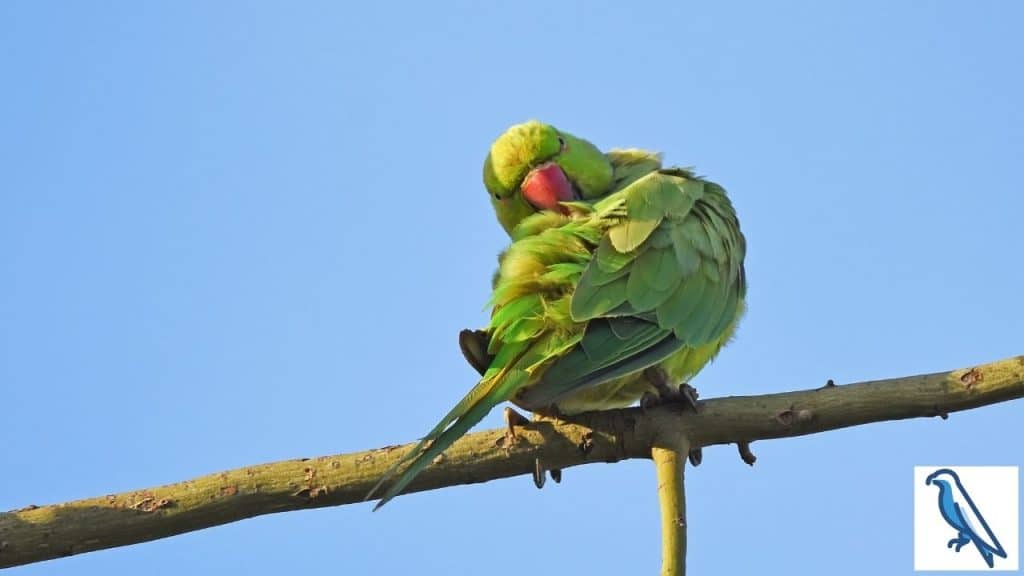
(33, 534)
(670, 465)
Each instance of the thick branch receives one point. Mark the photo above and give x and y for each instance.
(35, 533)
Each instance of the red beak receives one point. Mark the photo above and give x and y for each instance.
(545, 186)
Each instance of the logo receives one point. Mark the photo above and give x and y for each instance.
(966, 518)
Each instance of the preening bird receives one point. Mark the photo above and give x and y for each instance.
(616, 265)
(958, 510)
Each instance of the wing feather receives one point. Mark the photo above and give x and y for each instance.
(667, 275)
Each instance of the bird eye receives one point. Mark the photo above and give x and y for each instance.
(561, 144)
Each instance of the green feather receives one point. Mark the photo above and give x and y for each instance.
(710, 269)
(696, 235)
(651, 281)
(590, 300)
(718, 251)
(658, 268)
(598, 276)
(708, 313)
(587, 365)
(683, 301)
(631, 165)
(505, 317)
(686, 253)
(609, 259)
(628, 235)
(425, 453)
(726, 316)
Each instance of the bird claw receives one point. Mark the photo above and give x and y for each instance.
(667, 393)
(960, 542)
(539, 471)
(689, 394)
(647, 401)
(538, 474)
(696, 456)
(512, 419)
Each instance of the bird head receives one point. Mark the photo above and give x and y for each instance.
(533, 167)
(942, 476)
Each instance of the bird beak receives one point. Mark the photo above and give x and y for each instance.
(546, 187)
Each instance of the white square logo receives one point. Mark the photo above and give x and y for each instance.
(966, 518)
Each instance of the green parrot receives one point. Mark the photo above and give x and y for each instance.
(616, 265)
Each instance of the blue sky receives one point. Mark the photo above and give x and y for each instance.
(241, 232)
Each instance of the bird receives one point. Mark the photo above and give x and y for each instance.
(959, 511)
(623, 277)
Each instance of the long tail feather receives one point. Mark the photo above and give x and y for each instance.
(500, 390)
(440, 444)
(467, 413)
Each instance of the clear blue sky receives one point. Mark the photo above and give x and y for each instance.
(241, 232)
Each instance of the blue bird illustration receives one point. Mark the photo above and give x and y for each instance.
(958, 510)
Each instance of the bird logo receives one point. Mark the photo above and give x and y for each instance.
(959, 511)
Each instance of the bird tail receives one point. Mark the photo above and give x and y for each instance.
(490, 392)
(988, 553)
(985, 553)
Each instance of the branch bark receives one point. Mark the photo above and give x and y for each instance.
(37, 533)
(670, 467)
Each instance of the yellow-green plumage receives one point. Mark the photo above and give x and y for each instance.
(645, 269)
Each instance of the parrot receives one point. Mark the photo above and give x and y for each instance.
(621, 275)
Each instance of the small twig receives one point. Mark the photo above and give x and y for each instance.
(745, 454)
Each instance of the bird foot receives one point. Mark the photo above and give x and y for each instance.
(538, 473)
(667, 393)
(551, 411)
(960, 542)
(512, 419)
